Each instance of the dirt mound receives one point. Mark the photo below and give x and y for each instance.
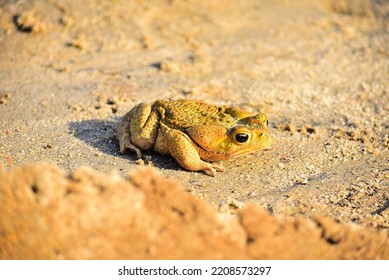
(47, 213)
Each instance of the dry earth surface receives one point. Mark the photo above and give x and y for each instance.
(70, 69)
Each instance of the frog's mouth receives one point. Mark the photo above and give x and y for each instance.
(266, 141)
(211, 155)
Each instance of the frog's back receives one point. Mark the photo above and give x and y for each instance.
(181, 114)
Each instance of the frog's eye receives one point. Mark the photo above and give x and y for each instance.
(242, 137)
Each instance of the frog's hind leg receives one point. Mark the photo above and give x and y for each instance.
(138, 129)
(184, 151)
(124, 136)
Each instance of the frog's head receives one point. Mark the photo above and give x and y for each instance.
(250, 133)
(247, 134)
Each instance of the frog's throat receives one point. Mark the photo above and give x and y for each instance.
(208, 155)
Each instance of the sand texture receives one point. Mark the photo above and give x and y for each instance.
(69, 70)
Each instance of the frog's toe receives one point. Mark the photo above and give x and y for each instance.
(136, 151)
(127, 145)
(211, 169)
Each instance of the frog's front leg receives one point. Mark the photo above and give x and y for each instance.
(183, 150)
(138, 129)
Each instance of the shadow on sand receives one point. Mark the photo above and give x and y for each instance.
(101, 134)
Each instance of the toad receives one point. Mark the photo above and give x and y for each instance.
(193, 132)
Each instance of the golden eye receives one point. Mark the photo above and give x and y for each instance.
(242, 137)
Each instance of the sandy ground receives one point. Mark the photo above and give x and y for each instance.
(319, 69)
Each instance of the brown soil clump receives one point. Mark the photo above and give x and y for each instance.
(46, 213)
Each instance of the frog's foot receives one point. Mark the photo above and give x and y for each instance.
(125, 144)
(184, 151)
(211, 169)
